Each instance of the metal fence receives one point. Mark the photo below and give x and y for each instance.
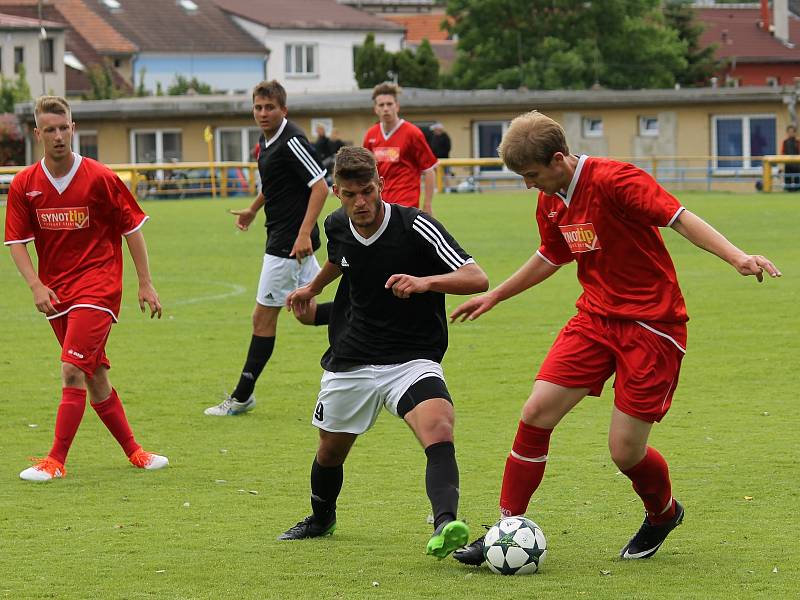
(453, 175)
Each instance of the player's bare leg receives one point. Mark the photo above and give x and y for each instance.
(327, 476)
(106, 403)
(525, 465)
(262, 343)
(649, 474)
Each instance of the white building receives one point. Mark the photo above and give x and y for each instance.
(311, 43)
(38, 46)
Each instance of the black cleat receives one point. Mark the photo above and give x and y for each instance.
(309, 528)
(471, 554)
(650, 537)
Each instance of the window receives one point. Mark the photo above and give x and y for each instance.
(85, 144)
(773, 81)
(648, 126)
(300, 59)
(742, 137)
(487, 136)
(592, 127)
(19, 57)
(237, 144)
(46, 56)
(156, 146)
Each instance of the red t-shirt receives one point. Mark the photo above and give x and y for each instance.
(402, 156)
(608, 222)
(77, 231)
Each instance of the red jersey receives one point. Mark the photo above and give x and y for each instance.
(608, 222)
(76, 223)
(402, 155)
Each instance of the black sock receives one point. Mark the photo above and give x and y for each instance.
(323, 314)
(257, 356)
(441, 481)
(326, 483)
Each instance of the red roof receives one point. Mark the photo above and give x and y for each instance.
(422, 26)
(15, 22)
(737, 34)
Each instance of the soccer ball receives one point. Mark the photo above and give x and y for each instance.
(515, 546)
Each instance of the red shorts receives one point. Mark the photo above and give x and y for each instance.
(82, 333)
(646, 358)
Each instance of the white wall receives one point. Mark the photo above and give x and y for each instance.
(40, 83)
(333, 58)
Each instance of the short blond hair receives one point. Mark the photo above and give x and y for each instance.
(387, 88)
(54, 105)
(532, 138)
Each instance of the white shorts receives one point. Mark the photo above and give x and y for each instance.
(280, 276)
(350, 401)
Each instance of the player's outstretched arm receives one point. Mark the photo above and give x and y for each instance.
(534, 271)
(298, 301)
(704, 236)
(43, 296)
(467, 279)
(245, 216)
(302, 245)
(147, 293)
(429, 180)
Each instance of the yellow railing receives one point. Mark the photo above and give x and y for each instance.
(176, 180)
(773, 160)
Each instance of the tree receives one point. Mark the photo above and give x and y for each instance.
(101, 82)
(12, 142)
(564, 44)
(183, 86)
(374, 64)
(701, 62)
(13, 91)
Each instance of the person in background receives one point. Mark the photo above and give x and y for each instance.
(791, 171)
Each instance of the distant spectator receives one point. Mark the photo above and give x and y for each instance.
(439, 141)
(322, 144)
(791, 171)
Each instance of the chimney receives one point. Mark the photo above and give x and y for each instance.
(781, 20)
(765, 15)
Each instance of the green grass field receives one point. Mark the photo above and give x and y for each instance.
(206, 527)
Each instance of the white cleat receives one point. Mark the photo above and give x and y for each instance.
(148, 460)
(45, 469)
(231, 407)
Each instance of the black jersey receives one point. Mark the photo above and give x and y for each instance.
(288, 166)
(369, 324)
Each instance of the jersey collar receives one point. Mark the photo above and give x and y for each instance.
(386, 136)
(269, 141)
(387, 212)
(62, 183)
(574, 182)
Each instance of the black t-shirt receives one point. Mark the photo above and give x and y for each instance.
(288, 166)
(369, 324)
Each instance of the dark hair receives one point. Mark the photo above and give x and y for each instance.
(271, 89)
(51, 104)
(387, 88)
(355, 163)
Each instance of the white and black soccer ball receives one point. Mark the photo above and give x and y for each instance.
(515, 546)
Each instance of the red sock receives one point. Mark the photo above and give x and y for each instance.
(68, 419)
(113, 417)
(650, 479)
(524, 468)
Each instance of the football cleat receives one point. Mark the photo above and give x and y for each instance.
(45, 469)
(650, 537)
(471, 554)
(231, 407)
(148, 460)
(309, 528)
(446, 538)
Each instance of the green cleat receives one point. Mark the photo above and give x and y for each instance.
(447, 537)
